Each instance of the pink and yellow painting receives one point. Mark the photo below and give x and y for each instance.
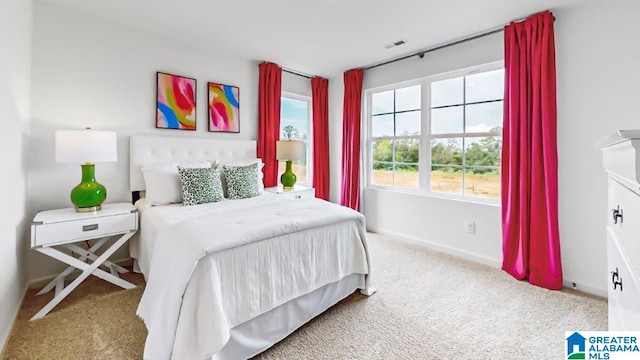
(176, 102)
(224, 108)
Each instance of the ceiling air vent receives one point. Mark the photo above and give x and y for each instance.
(391, 45)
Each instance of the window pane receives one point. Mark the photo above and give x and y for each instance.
(447, 92)
(485, 151)
(485, 117)
(446, 179)
(408, 123)
(407, 176)
(446, 151)
(447, 120)
(382, 102)
(294, 118)
(382, 174)
(484, 183)
(407, 150)
(485, 86)
(408, 98)
(382, 150)
(382, 125)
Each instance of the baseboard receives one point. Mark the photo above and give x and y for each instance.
(442, 248)
(5, 337)
(567, 283)
(41, 282)
(588, 289)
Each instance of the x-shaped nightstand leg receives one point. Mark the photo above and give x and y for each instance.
(58, 282)
(87, 269)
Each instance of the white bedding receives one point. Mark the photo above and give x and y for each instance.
(199, 287)
(155, 218)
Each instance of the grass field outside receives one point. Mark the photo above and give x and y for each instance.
(476, 185)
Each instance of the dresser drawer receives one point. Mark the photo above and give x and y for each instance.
(624, 299)
(76, 230)
(626, 226)
(615, 317)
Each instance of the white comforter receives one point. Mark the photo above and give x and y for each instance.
(185, 321)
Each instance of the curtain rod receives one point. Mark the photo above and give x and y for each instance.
(438, 47)
(445, 45)
(297, 73)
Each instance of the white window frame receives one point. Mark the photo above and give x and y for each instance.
(424, 161)
(309, 140)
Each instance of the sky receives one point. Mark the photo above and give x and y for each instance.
(450, 92)
(295, 113)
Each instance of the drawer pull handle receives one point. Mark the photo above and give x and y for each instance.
(615, 276)
(617, 214)
(90, 227)
(615, 284)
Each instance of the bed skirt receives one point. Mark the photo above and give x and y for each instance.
(260, 333)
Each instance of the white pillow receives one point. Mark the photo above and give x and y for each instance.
(162, 182)
(219, 165)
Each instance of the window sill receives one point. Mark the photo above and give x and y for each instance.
(478, 201)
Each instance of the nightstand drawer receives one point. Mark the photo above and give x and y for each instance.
(306, 194)
(76, 230)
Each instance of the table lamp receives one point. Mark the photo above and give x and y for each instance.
(289, 150)
(86, 147)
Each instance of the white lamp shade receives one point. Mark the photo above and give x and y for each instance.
(290, 150)
(86, 146)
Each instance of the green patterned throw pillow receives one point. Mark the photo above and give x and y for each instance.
(200, 185)
(242, 181)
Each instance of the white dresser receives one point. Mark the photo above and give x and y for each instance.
(621, 158)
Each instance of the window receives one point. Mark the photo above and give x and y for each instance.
(442, 134)
(295, 121)
(395, 134)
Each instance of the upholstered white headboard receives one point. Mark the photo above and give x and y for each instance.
(149, 149)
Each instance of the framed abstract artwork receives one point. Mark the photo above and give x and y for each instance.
(224, 108)
(176, 102)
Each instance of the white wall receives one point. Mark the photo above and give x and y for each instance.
(598, 77)
(92, 72)
(15, 64)
(296, 84)
(336, 94)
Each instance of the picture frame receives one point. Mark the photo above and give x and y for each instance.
(176, 100)
(223, 103)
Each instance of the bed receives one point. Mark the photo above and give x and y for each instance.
(227, 280)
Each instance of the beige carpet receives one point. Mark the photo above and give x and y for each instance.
(428, 306)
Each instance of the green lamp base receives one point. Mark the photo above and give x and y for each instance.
(89, 194)
(288, 178)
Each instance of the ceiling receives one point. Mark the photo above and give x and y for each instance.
(319, 37)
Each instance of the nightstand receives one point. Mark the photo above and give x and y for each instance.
(298, 192)
(65, 228)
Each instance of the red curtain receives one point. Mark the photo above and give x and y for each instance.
(269, 94)
(531, 240)
(350, 192)
(320, 104)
